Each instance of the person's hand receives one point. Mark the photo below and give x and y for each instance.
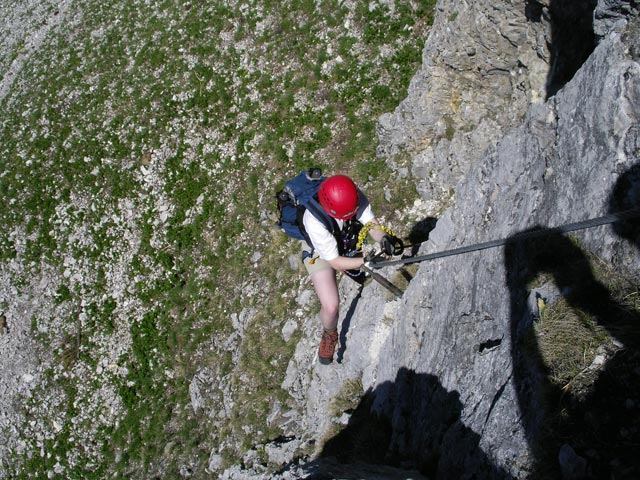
(369, 261)
(391, 245)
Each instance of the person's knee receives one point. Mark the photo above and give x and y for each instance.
(330, 307)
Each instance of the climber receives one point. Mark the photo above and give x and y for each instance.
(350, 210)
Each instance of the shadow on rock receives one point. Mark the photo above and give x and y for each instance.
(421, 230)
(572, 37)
(412, 423)
(588, 427)
(626, 194)
(420, 233)
(346, 323)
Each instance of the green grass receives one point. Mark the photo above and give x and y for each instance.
(570, 331)
(130, 146)
(569, 341)
(597, 319)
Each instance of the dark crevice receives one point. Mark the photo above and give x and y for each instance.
(533, 11)
(496, 397)
(572, 39)
(489, 345)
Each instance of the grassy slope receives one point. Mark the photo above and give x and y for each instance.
(140, 151)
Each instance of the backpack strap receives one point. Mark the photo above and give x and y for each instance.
(318, 212)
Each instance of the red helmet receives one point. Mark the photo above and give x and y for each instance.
(338, 196)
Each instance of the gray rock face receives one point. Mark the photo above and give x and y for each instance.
(483, 65)
(611, 15)
(447, 385)
(465, 314)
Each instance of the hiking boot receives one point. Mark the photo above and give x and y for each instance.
(327, 346)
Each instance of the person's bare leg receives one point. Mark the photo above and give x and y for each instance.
(324, 282)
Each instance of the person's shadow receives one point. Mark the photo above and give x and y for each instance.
(626, 196)
(412, 423)
(595, 432)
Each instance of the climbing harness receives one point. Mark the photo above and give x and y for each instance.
(571, 227)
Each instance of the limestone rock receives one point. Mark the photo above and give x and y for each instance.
(483, 66)
(442, 372)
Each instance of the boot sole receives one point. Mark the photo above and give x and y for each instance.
(325, 361)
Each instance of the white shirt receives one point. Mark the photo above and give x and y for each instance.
(324, 242)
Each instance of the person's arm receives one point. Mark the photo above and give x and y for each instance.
(389, 243)
(376, 233)
(354, 263)
(346, 263)
(367, 216)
